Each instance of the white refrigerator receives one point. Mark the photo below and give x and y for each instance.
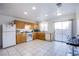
(8, 35)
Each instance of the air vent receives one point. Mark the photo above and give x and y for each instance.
(59, 4)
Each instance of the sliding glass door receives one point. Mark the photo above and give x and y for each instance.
(63, 30)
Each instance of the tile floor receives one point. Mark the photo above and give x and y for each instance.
(36, 48)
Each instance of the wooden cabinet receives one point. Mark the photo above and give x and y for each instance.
(34, 35)
(20, 37)
(23, 37)
(39, 35)
(20, 24)
(36, 26)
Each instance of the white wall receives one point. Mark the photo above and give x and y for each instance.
(74, 27)
(50, 26)
(0, 36)
(63, 17)
(51, 29)
(5, 19)
(77, 20)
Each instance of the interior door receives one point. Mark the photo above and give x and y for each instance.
(63, 30)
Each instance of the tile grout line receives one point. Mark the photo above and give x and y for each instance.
(18, 51)
(7, 51)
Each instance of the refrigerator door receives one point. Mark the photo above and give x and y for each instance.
(9, 28)
(9, 39)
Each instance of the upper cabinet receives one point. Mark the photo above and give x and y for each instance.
(20, 24)
(23, 24)
(36, 26)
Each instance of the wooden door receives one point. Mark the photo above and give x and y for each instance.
(18, 37)
(23, 37)
(42, 36)
(20, 24)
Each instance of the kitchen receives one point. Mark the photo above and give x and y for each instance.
(35, 27)
(23, 32)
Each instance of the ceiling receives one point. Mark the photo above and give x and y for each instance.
(42, 9)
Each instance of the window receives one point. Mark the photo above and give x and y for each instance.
(44, 26)
(27, 27)
(62, 25)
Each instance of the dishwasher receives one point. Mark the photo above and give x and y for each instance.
(29, 37)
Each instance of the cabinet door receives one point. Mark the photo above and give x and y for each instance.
(42, 36)
(23, 37)
(22, 24)
(17, 24)
(18, 38)
(37, 35)
(34, 36)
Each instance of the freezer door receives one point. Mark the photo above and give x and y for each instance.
(9, 28)
(9, 39)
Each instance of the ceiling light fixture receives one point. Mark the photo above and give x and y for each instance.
(34, 8)
(25, 13)
(59, 13)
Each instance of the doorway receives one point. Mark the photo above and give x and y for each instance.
(63, 30)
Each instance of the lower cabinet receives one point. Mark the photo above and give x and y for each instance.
(43, 36)
(39, 35)
(20, 38)
(34, 35)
